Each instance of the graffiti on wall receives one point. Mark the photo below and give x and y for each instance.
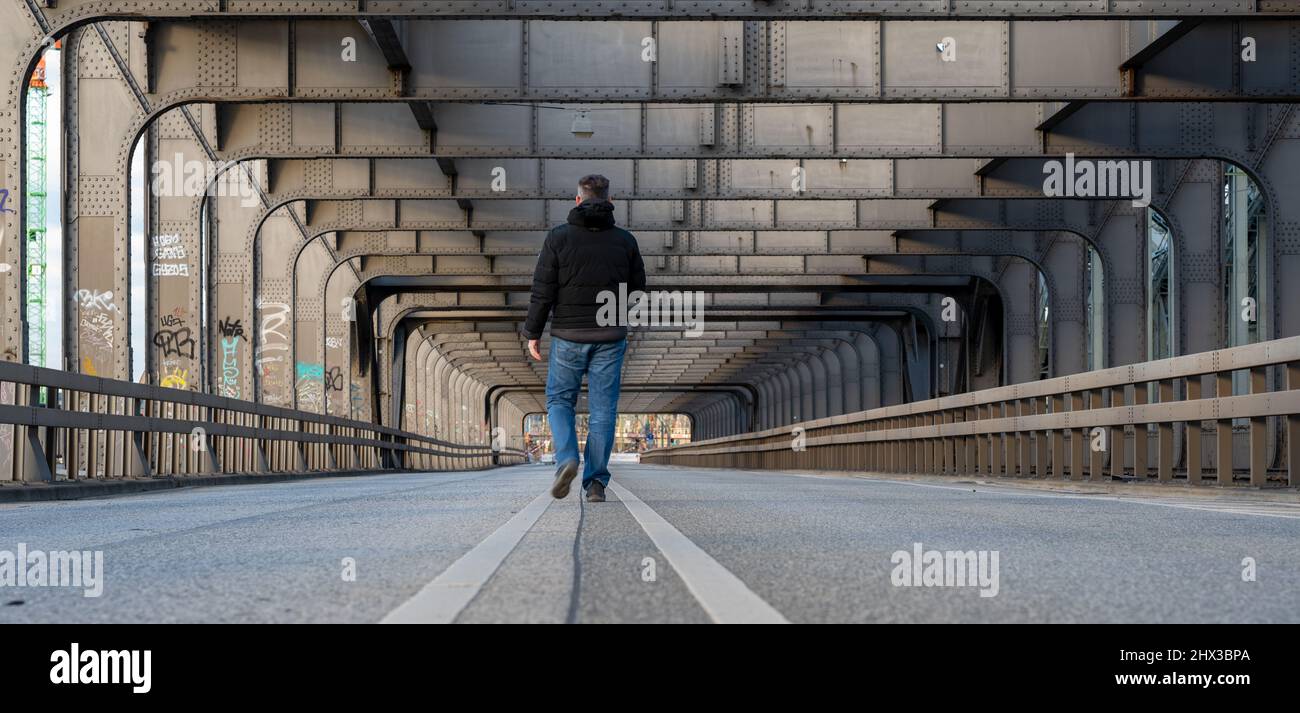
(176, 379)
(231, 327)
(270, 354)
(175, 342)
(229, 386)
(334, 379)
(310, 385)
(98, 325)
(94, 300)
(169, 259)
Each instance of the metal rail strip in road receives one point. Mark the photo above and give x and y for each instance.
(105, 428)
(1023, 430)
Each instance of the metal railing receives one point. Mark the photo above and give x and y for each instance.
(56, 425)
(1100, 424)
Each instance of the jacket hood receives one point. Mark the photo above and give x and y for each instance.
(593, 215)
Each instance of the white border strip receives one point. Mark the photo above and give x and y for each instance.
(1252, 508)
(723, 596)
(443, 599)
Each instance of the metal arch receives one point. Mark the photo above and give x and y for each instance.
(889, 304)
(1035, 258)
(469, 338)
(70, 13)
(801, 354)
(1027, 256)
(761, 349)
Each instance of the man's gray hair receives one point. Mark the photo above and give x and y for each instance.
(594, 187)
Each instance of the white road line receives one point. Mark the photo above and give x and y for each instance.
(441, 600)
(724, 597)
(1252, 509)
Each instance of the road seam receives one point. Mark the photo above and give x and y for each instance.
(442, 600)
(723, 596)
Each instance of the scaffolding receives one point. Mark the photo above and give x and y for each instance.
(37, 98)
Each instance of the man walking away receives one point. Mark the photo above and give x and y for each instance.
(581, 259)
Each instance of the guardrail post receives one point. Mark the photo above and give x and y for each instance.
(1041, 448)
(1192, 435)
(1118, 438)
(1293, 429)
(299, 458)
(1258, 432)
(894, 464)
(1223, 430)
(1096, 457)
(1024, 439)
(32, 466)
(35, 466)
(331, 463)
(1010, 441)
(137, 466)
(997, 443)
(1056, 439)
(1139, 435)
(1078, 438)
(1165, 436)
(971, 443)
(393, 458)
(260, 463)
(208, 462)
(928, 464)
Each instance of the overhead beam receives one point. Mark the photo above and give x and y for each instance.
(63, 14)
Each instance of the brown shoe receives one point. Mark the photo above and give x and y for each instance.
(563, 477)
(596, 493)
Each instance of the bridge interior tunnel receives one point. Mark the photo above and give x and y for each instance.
(345, 223)
(738, 362)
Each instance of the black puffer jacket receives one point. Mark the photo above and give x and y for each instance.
(579, 260)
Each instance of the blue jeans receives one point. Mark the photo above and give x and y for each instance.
(603, 365)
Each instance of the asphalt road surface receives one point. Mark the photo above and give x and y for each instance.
(670, 545)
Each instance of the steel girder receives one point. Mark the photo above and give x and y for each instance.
(693, 255)
(759, 61)
(133, 57)
(665, 131)
(1137, 115)
(116, 53)
(992, 216)
(68, 13)
(98, 227)
(160, 312)
(336, 327)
